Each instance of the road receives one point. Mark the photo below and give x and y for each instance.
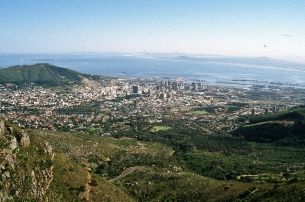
(126, 172)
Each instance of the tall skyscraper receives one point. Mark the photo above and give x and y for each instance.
(253, 112)
(195, 87)
(135, 89)
(135, 103)
(175, 85)
(210, 88)
(274, 109)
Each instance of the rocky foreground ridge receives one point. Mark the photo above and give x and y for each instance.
(25, 171)
(31, 171)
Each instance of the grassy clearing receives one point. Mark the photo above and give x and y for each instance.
(126, 142)
(102, 114)
(182, 109)
(158, 128)
(200, 112)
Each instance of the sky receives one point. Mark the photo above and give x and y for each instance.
(260, 28)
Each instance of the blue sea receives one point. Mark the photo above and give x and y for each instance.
(209, 71)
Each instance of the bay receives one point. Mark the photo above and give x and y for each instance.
(209, 71)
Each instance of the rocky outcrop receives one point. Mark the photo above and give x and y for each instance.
(40, 179)
(19, 178)
(2, 126)
(48, 149)
(13, 144)
(10, 129)
(23, 139)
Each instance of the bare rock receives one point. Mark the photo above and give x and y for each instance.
(2, 126)
(11, 160)
(13, 144)
(23, 138)
(6, 174)
(48, 149)
(10, 129)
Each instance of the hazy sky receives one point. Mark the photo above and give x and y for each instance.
(271, 28)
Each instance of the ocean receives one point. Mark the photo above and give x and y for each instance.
(227, 72)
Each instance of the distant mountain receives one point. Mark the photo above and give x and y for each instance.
(248, 61)
(43, 74)
(285, 128)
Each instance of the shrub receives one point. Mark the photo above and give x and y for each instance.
(93, 182)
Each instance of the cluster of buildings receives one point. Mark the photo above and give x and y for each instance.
(100, 107)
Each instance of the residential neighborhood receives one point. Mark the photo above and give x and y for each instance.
(103, 106)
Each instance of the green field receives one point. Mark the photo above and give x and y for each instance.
(182, 109)
(102, 114)
(158, 128)
(200, 112)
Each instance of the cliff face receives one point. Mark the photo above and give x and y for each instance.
(25, 169)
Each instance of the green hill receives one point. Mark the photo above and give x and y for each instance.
(42, 74)
(285, 128)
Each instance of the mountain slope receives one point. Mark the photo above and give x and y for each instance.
(25, 165)
(79, 167)
(284, 127)
(30, 170)
(45, 74)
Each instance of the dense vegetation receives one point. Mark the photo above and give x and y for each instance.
(164, 175)
(43, 74)
(227, 157)
(283, 128)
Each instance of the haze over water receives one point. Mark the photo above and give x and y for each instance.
(217, 71)
(245, 29)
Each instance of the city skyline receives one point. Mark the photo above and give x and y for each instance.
(231, 28)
